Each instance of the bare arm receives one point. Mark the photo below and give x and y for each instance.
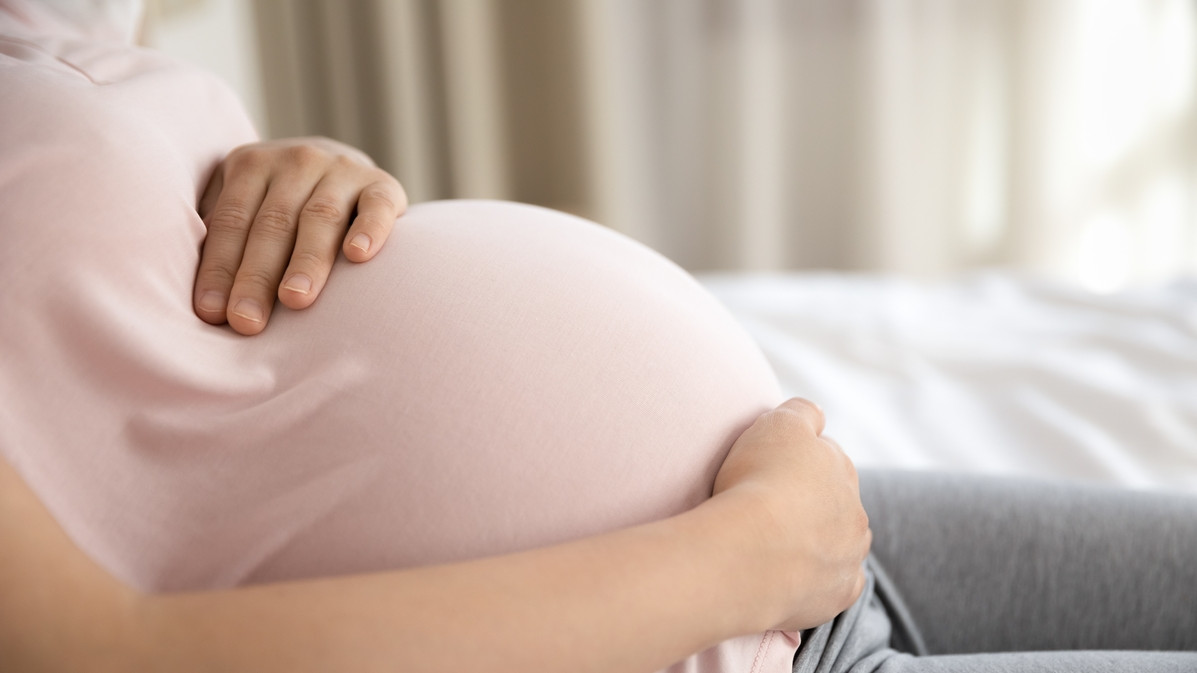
(632, 600)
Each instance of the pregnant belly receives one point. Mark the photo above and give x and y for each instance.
(504, 377)
(500, 377)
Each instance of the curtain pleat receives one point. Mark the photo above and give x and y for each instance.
(922, 137)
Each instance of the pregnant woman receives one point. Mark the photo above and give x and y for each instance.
(511, 441)
(496, 442)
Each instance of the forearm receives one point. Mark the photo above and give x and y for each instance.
(633, 600)
(779, 545)
(59, 611)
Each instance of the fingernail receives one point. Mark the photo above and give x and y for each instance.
(298, 283)
(248, 309)
(211, 301)
(361, 242)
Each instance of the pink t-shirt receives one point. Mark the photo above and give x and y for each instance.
(500, 377)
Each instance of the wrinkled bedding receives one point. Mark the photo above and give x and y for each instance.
(993, 372)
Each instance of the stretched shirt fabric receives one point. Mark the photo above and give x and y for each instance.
(500, 377)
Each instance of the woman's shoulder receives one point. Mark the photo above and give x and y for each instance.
(103, 138)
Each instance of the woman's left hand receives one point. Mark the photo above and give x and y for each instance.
(277, 213)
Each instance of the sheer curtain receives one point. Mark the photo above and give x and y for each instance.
(915, 136)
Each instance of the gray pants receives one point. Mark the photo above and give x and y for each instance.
(980, 574)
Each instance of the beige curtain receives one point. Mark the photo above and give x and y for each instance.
(912, 136)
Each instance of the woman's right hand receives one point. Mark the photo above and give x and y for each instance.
(808, 523)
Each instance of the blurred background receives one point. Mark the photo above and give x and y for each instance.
(916, 137)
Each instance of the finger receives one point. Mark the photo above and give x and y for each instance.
(858, 586)
(839, 450)
(379, 204)
(830, 441)
(809, 412)
(228, 224)
(211, 192)
(267, 252)
(849, 466)
(322, 224)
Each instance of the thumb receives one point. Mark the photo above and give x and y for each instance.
(808, 412)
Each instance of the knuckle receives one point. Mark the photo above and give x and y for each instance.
(247, 158)
(862, 522)
(308, 260)
(384, 193)
(850, 467)
(260, 281)
(229, 216)
(787, 420)
(323, 210)
(858, 587)
(851, 591)
(811, 411)
(345, 162)
(784, 415)
(776, 421)
(276, 222)
(305, 156)
(215, 274)
(802, 403)
(805, 408)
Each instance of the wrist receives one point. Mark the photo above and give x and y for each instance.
(735, 534)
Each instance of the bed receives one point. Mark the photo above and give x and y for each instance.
(992, 372)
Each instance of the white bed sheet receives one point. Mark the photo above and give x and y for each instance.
(989, 373)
